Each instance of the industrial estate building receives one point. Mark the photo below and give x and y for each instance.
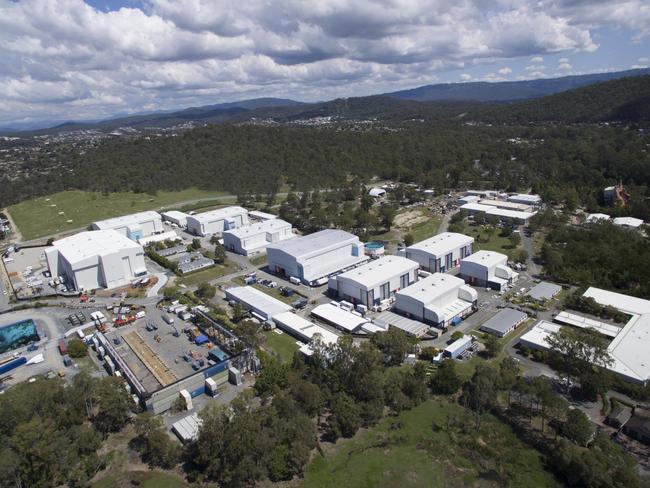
(313, 258)
(488, 269)
(441, 252)
(525, 198)
(375, 281)
(217, 221)
(305, 331)
(253, 239)
(175, 217)
(544, 291)
(134, 226)
(96, 259)
(337, 317)
(261, 306)
(504, 322)
(629, 347)
(439, 299)
(506, 215)
(629, 222)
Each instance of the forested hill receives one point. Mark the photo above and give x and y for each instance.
(623, 100)
(507, 91)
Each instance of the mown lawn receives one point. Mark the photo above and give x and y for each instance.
(424, 448)
(73, 209)
(283, 345)
(496, 242)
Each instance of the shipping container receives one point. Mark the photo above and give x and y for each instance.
(14, 363)
(63, 348)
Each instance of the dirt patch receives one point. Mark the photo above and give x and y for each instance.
(410, 218)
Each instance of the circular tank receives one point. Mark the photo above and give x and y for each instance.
(374, 248)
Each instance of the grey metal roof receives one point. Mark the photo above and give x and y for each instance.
(305, 245)
(504, 320)
(544, 291)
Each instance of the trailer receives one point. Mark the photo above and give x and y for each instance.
(63, 348)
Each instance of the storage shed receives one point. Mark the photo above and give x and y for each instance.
(217, 221)
(488, 269)
(258, 303)
(504, 322)
(441, 252)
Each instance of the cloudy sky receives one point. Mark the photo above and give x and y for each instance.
(73, 60)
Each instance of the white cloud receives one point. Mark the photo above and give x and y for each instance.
(564, 66)
(643, 60)
(465, 77)
(65, 59)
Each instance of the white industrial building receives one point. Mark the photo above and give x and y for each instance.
(314, 257)
(597, 217)
(341, 319)
(259, 216)
(439, 299)
(441, 252)
(261, 306)
(468, 199)
(217, 221)
(170, 235)
(134, 226)
(629, 349)
(514, 216)
(528, 199)
(537, 337)
(96, 259)
(175, 217)
(253, 239)
(304, 330)
(629, 222)
(488, 269)
(374, 281)
(630, 345)
(506, 205)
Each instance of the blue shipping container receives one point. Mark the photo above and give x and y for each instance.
(13, 364)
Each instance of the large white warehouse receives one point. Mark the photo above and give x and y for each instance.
(440, 253)
(374, 281)
(217, 221)
(96, 259)
(488, 269)
(254, 238)
(134, 226)
(439, 299)
(314, 257)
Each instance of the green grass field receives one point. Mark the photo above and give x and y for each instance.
(208, 274)
(496, 243)
(424, 230)
(282, 344)
(69, 210)
(416, 450)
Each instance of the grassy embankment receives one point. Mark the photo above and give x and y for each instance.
(75, 209)
(432, 445)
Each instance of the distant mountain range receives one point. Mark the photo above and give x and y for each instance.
(482, 100)
(507, 91)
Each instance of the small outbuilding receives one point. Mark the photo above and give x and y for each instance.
(458, 347)
(377, 192)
